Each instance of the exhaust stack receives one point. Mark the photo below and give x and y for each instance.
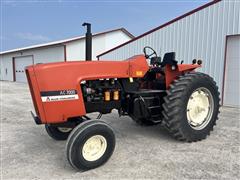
(88, 42)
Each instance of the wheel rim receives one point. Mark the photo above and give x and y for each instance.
(94, 148)
(200, 108)
(64, 129)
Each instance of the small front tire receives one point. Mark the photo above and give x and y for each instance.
(90, 145)
(58, 133)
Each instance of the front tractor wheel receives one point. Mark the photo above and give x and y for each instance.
(90, 145)
(58, 133)
(191, 107)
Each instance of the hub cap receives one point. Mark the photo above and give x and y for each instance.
(64, 129)
(200, 108)
(94, 148)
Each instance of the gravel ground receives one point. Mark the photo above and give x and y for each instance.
(141, 152)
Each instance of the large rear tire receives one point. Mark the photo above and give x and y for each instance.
(191, 107)
(90, 145)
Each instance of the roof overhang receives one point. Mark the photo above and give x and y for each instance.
(63, 42)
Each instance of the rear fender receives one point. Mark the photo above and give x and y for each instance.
(173, 72)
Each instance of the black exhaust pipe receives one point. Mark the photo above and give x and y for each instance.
(88, 42)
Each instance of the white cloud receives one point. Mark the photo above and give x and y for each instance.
(32, 37)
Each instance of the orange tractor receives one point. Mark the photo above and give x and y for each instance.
(184, 101)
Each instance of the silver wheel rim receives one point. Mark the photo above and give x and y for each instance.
(64, 129)
(200, 108)
(94, 148)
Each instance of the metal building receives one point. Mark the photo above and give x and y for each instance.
(13, 62)
(210, 32)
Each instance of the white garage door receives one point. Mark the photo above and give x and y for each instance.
(232, 74)
(20, 64)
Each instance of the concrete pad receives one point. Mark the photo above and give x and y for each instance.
(141, 152)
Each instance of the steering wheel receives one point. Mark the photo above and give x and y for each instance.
(151, 54)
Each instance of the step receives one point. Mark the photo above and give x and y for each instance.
(154, 107)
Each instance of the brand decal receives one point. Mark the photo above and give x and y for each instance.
(63, 95)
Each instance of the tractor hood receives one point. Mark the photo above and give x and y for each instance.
(62, 80)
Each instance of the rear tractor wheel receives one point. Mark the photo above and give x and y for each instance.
(191, 107)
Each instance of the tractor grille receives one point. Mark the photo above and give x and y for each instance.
(32, 92)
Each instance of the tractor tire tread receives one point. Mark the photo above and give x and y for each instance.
(172, 106)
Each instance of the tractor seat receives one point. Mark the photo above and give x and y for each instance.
(169, 58)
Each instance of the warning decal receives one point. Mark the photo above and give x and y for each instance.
(48, 96)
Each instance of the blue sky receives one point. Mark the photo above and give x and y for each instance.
(25, 23)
